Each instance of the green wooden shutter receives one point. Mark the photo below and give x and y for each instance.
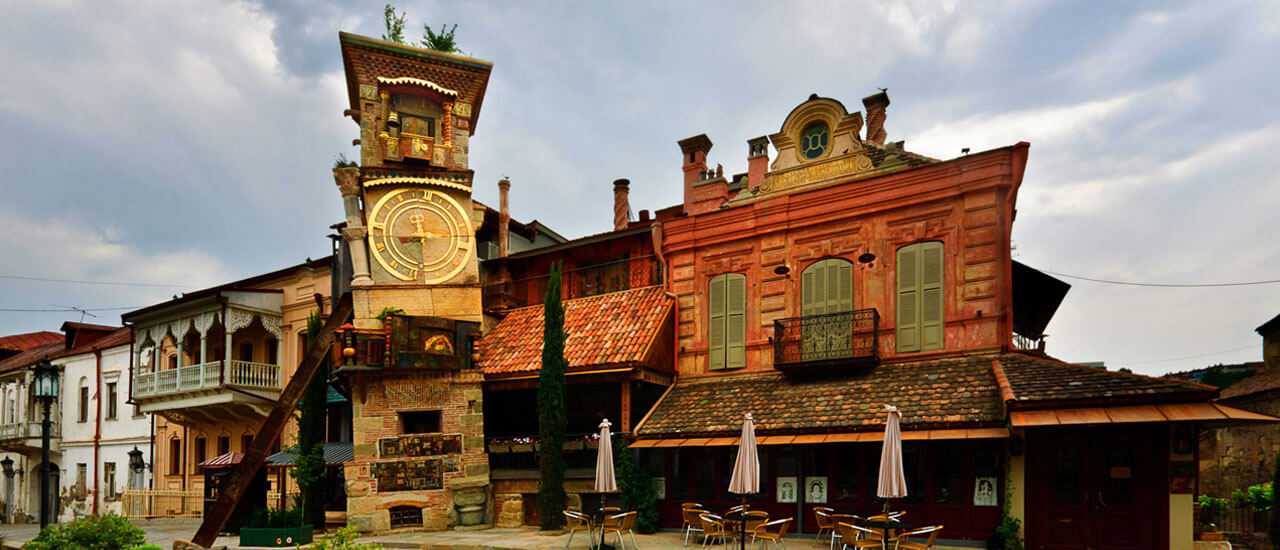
(908, 311)
(736, 321)
(807, 291)
(715, 327)
(842, 286)
(827, 287)
(932, 312)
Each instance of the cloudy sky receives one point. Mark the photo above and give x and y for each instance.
(175, 145)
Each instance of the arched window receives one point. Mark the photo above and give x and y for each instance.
(727, 326)
(921, 308)
(826, 287)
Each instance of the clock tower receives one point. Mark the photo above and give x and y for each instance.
(406, 358)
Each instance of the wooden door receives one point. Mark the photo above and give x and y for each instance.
(1097, 489)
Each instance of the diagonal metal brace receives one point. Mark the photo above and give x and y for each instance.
(234, 487)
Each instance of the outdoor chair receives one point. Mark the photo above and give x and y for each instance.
(825, 523)
(901, 540)
(755, 518)
(623, 522)
(772, 531)
(689, 512)
(890, 516)
(854, 536)
(838, 518)
(712, 527)
(575, 521)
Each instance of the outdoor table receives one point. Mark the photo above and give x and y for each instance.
(884, 527)
(741, 518)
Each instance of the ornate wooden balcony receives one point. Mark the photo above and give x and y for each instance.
(847, 338)
(207, 376)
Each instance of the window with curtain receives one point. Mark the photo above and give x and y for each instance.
(727, 326)
(920, 311)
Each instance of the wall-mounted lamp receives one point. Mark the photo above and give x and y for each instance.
(866, 258)
(781, 270)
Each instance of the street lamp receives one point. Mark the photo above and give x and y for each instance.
(135, 460)
(45, 383)
(6, 466)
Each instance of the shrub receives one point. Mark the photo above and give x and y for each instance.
(265, 517)
(108, 532)
(147, 547)
(343, 539)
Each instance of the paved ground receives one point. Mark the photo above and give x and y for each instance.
(164, 531)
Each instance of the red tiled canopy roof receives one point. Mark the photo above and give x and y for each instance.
(20, 342)
(609, 329)
(32, 356)
(954, 392)
(1035, 379)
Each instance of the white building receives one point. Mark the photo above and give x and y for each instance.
(99, 427)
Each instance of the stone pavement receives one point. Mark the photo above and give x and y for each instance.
(163, 532)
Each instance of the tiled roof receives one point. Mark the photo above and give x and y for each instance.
(19, 342)
(614, 328)
(1259, 382)
(119, 337)
(953, 392)
(1046, 380)
(222, 461)
(31, 356)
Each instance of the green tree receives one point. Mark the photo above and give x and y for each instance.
(551, 403)
(636, 485)
(310, 468)
(394, 25)
(442, 41)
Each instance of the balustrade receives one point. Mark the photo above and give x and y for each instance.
(831, 338)
(206, 376)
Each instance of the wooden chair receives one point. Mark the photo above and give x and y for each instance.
(825, 523)
(575, 521)
(755, 518)
(712, 527)
(623, 522)
(689, 512)
(901, 540)
(854, 536)
(772, 531)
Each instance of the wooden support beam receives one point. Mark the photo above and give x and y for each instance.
(234, 487)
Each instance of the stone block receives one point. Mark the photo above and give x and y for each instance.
(471, 419)
(477, 470)
(363, 524)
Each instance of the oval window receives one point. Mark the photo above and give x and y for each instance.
(813, 142)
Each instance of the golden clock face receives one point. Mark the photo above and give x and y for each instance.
(420, 235)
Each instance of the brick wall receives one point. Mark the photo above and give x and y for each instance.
(377, 401)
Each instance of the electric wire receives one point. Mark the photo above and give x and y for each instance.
(1127, 363)
(1164, 285)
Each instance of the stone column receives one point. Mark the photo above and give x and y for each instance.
(348, 181)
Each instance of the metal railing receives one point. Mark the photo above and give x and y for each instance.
(246, 374)
(151, 503)
(829, 338)
(28, 429)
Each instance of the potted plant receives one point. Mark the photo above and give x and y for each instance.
(592, 441)
(276, 529)
(499, 446)
(522, 445)
(573, 444)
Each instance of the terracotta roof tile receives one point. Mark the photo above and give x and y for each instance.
(20, 342)
(119, 337)
(1041, 379)
(32, 355)
(608, 329)
(1260, 381)
(952, 392)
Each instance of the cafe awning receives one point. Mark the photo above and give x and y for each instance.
(1169, 412)
(810, 439)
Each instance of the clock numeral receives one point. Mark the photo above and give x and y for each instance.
(394, 264)
(380, 246)
(413, 274)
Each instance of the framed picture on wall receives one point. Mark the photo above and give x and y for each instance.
(984, 491)
(815, 489)
(787, 489)
(659, 487)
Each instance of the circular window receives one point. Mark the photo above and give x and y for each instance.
(813, 142)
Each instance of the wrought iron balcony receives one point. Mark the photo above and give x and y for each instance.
(830, 339)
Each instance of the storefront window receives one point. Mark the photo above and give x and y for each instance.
(705, 479)
(986, 480)
(1066, 477)
(678, 485)
(846, 473)
(913, 468)
(947, 473)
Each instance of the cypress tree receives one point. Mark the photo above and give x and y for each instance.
(310, 468)
(1273, 530)
(551, 404)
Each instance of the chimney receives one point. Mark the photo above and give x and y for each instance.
(757, 160)
(695, 151)
(876, 104)
(504, 216)
(621, 207)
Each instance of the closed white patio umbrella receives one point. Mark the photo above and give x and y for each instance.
(746, 469)
(892, 482)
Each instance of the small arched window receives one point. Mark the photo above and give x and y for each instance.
(814, 140)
